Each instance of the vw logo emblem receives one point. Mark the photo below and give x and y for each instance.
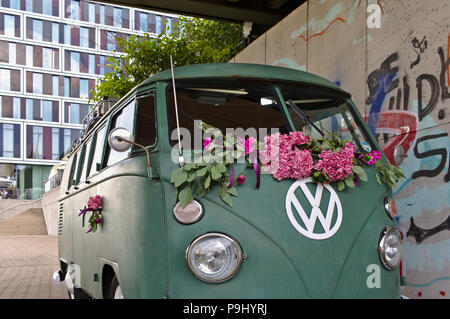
(334, 207)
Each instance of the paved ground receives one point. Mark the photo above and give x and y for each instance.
(27, 264)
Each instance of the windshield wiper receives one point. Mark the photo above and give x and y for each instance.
(305, 117)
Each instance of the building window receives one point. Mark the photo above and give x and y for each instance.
(37, 83)
(55, 143)
(38, 142)
(55, 85)
(16, 108)
(55, 32)
(158, 24)
(47, 111)
(67, 38)
(10, 25)
(66, 86)
(84, 37)
(84, 88)
(37, 30)
(74, 10)
(74, 61)
(5, 80)
(8, 140)
(91, 12)
(117, 17)
(75, 113)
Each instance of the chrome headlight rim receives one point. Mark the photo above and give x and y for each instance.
(195, 220)
(230, 238)
(390, 207)
(381, 248)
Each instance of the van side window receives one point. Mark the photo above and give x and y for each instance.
(98, 150)
(124, 118)
(80, 164)
(72, 171)
(86, 160)
(146, 121)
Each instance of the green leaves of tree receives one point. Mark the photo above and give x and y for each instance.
(193, 41)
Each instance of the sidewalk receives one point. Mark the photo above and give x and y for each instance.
(27, 264)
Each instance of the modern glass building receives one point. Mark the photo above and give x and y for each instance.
(52, 53)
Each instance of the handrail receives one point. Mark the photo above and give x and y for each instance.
(4, 211)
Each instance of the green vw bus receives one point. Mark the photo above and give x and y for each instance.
(128, 228)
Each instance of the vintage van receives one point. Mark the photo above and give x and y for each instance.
(286, 239)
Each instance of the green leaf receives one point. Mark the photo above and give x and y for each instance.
(191, 177)
(360, 172)
(185, 196)
(378, 178)
(178, 177)
(349, 181)
(207, 181)
(226, 198)
(215, 174)
(232, 191)
(189, 166)
(341, 185)
(201, 172)
(221, 168)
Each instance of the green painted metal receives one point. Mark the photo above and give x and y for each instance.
(145, 246)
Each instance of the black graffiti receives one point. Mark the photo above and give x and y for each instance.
(444, 66)
(384, 72)
(434, 85)
(421, 234)
(421, 45)
(435, 152)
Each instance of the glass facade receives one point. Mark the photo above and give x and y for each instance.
(52, 53)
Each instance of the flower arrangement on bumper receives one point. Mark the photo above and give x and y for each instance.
(95, 206)
(285, 156)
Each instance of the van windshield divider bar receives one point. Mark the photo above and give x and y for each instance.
(305, 117)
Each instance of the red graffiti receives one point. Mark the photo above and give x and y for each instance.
(442, 293)
(419, 294)
(306, 39)
(396, 122)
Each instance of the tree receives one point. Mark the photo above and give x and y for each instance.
(192, 41)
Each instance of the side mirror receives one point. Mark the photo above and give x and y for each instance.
(120, 139)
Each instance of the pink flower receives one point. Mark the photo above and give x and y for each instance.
(95, 203)
(206, 142)
(336, 165)
(373, 157)
(241, 179)
(301, 164)
(248, 145)
(297, 138)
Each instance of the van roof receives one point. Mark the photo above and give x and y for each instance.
(243, 70)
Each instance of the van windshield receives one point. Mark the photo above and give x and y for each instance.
(257, 106)
(327, 116)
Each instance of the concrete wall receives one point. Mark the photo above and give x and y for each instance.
(51, 210)
(399, 76)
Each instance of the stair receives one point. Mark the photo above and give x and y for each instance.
(28, 222)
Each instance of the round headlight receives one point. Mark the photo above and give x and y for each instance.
(214, 257)
(390, 247)
(189, 214)
(390, 207)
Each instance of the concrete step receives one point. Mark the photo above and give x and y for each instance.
(29, 222)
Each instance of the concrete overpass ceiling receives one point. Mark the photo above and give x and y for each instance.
(263, 13)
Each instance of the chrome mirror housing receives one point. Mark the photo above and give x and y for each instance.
(120, 139)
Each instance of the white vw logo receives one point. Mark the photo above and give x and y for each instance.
(316, 213)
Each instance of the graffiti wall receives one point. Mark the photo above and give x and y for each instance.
(393, 56)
